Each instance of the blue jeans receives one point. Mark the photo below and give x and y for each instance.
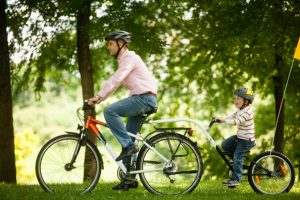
(132, 107)
(238, 148)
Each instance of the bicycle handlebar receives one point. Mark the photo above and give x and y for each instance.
(86, 105)
(212, 121)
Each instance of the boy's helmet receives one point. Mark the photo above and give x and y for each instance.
(119, 35)
(245, 93)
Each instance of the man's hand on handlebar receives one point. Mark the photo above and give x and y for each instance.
(94, 100)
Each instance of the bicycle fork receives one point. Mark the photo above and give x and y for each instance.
(69, 166)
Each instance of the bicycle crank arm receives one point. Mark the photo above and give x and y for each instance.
(146, 171)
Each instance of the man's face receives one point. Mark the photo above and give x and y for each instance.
(112, 47)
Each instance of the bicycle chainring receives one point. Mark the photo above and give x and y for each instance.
(121, 175)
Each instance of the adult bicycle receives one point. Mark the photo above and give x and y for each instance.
(168, 162)
(269, 172)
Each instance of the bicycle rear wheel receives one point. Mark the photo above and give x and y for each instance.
(184, 172)
(56, 173)
(271, 173)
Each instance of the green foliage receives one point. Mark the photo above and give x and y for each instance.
(26, 144)
(212, 190)
(46, 116)
(264, 117)
(137, 18)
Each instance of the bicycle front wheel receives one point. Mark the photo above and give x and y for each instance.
(180, 175)
(60, 169)
(271, 173)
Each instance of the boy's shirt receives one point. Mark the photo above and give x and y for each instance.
(245, 121)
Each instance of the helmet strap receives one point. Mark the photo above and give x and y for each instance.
(119, 49)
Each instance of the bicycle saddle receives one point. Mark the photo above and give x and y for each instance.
(153, 110)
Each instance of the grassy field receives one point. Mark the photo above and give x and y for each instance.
(206, 190)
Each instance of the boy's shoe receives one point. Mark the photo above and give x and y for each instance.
(231, 183)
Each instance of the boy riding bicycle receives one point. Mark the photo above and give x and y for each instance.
(240, 144)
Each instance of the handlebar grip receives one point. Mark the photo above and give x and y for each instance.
(85, 105)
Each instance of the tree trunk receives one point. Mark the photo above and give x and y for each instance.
(7, 155)
(86, 72)
(278, 94)
(83, 53)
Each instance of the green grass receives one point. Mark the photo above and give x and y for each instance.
(206, 190)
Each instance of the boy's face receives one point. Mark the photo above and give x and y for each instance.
(238, 101)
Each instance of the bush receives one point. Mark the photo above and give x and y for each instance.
(25, 151)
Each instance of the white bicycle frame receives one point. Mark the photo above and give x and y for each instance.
(197, 123)
(114, 155)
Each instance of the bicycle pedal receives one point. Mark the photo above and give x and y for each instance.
(130, 180)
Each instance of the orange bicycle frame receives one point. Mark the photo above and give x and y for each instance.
(91, 124)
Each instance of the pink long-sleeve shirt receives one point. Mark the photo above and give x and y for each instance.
(133, 73)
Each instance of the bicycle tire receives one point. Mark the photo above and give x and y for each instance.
(186, 170)
(56, 175)
(271, 173)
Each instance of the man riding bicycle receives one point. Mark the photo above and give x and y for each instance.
(142, 86)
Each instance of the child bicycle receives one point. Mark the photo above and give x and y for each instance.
(168, 163)
(268, 173)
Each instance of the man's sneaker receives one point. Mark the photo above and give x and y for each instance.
(125, 186)
(127, 151)
(231, 183)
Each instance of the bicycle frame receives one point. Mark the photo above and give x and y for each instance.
(91, 125)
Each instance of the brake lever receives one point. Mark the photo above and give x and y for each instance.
(212, 121)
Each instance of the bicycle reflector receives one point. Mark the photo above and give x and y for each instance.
(283, 170)
(190, 132)
(257, 179)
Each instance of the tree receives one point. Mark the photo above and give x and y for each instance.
(239, 42)
(7, 155)
(83, 53)
(85, 67)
